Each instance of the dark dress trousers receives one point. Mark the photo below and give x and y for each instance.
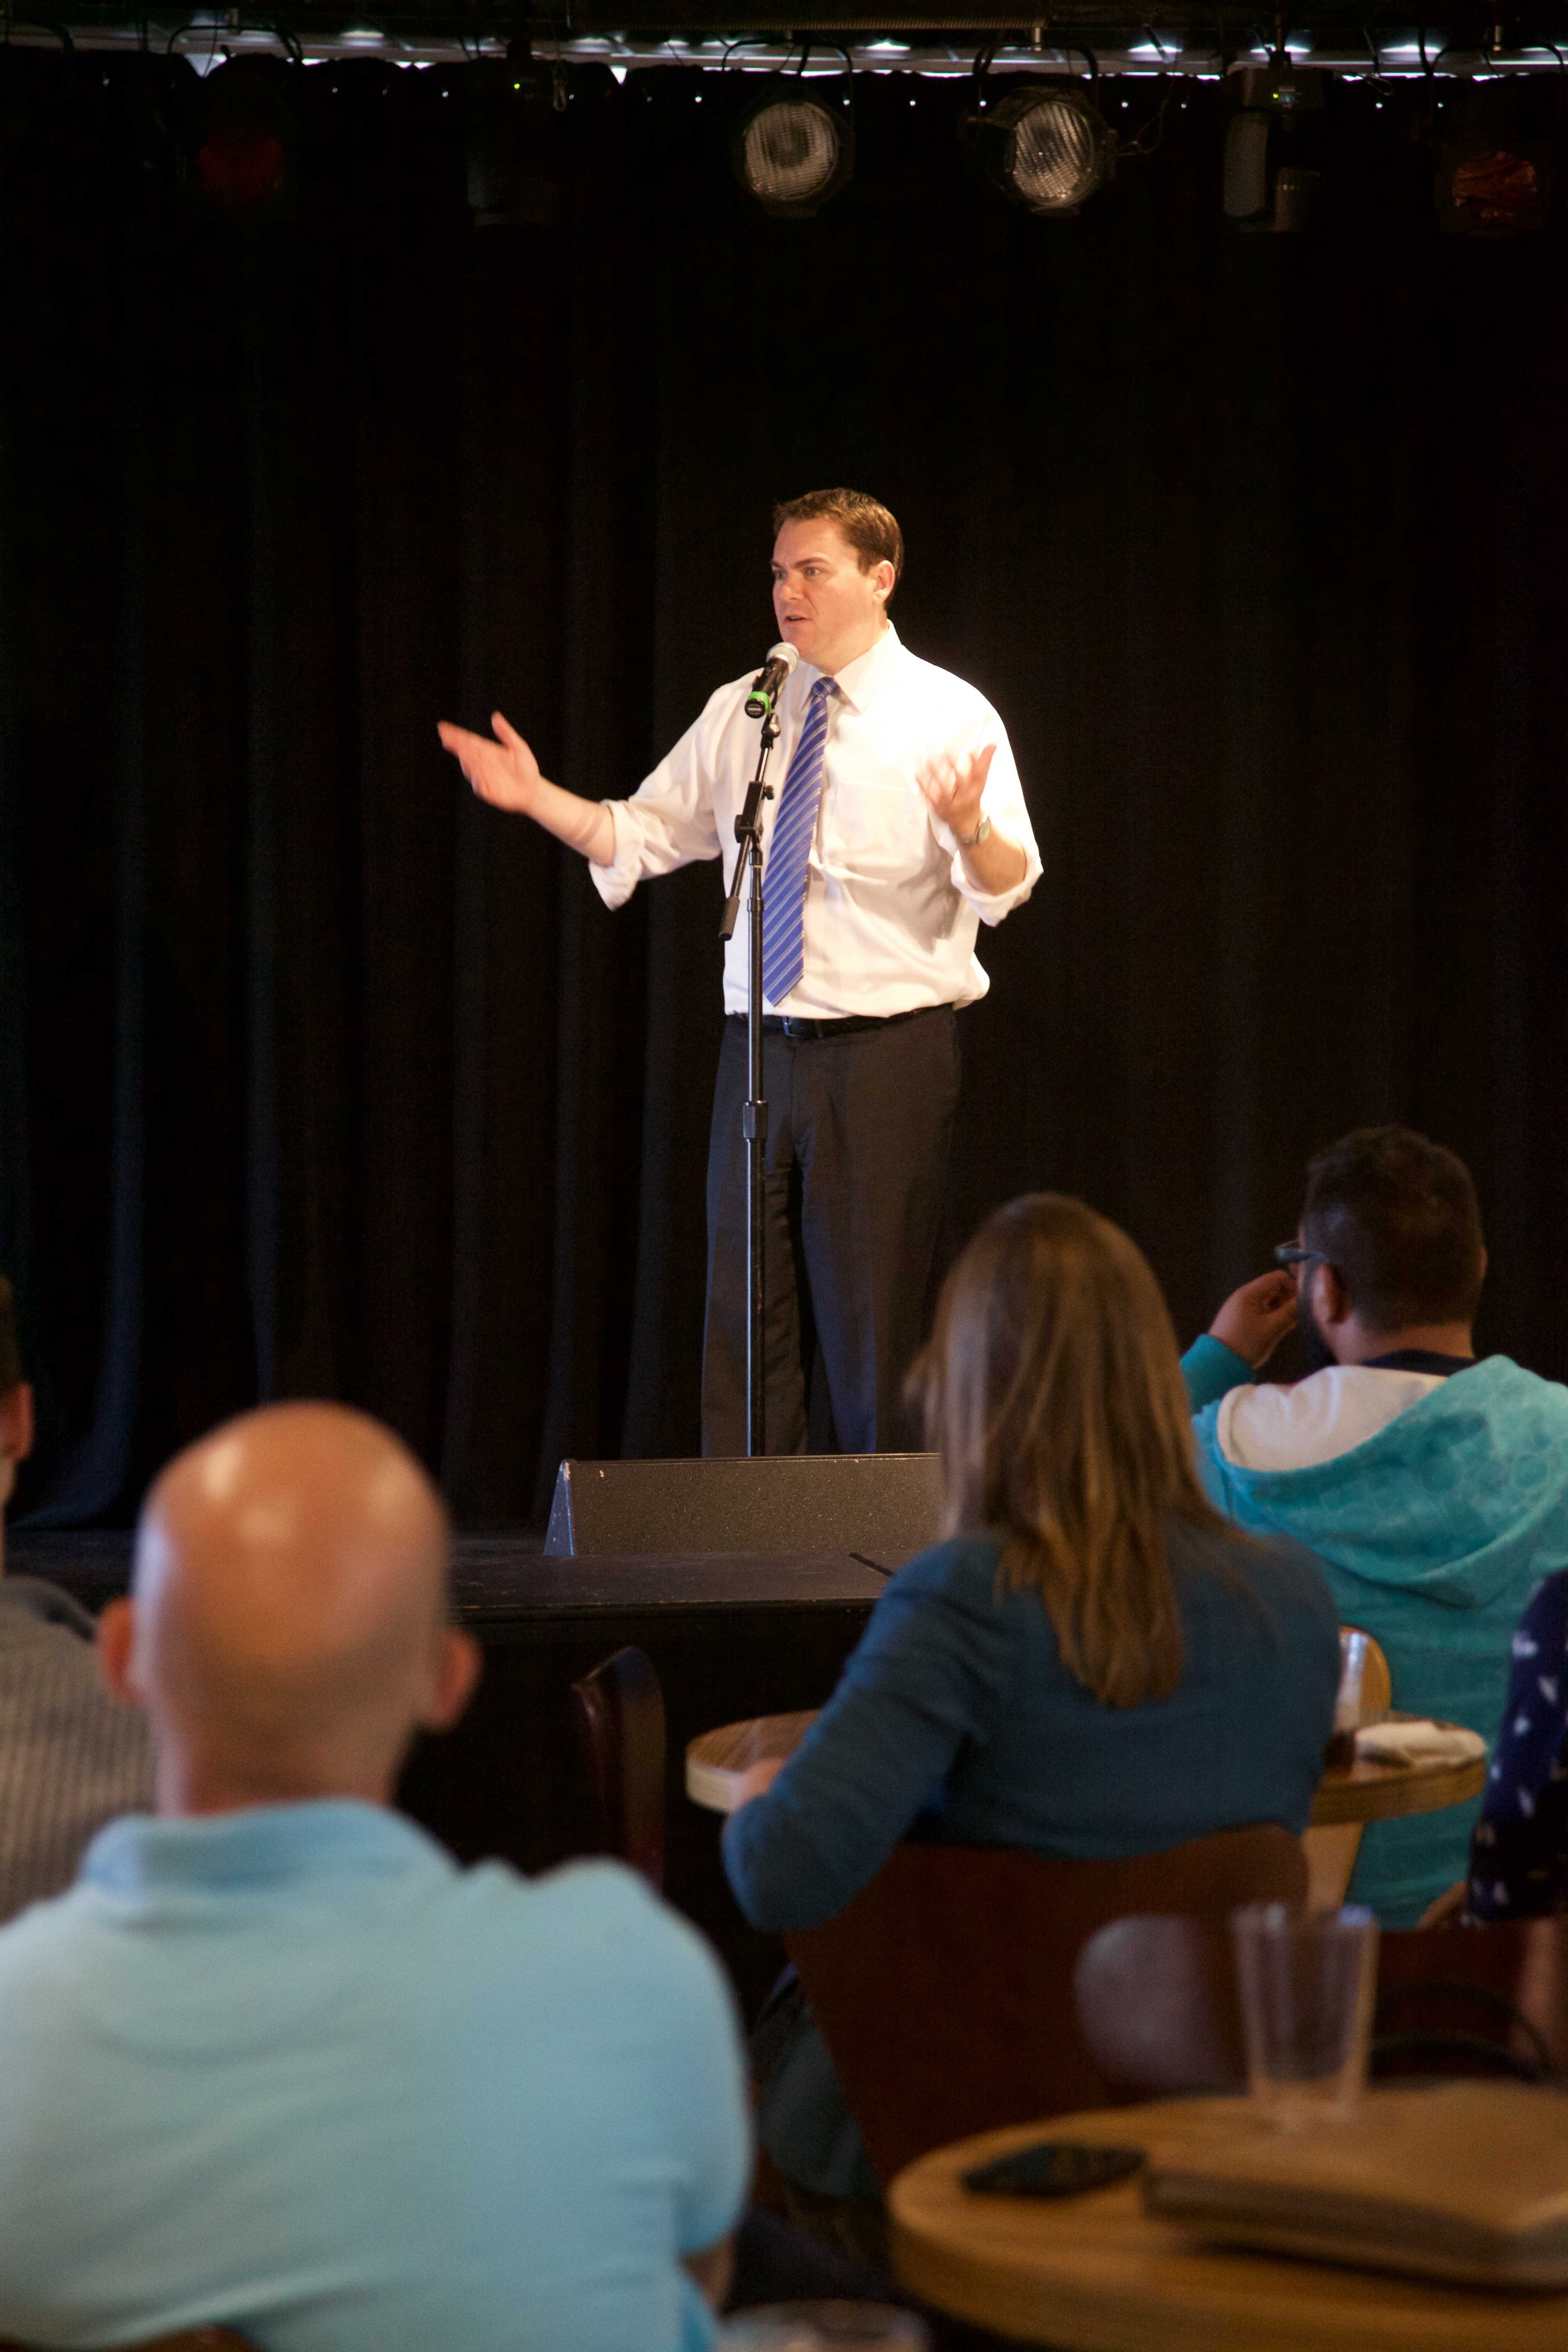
(859, 1122)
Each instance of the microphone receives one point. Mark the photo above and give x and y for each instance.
(770, 680)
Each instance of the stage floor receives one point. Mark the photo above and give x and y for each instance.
(732, 1635)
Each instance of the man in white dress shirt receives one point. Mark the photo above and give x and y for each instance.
(918, 833)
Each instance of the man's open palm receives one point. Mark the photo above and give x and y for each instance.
(953, 787)
(504, 771)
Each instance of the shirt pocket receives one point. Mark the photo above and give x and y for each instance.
(875, 823)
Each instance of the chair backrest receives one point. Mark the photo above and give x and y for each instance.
(189, 2339)
(620, 1713)
(1159, 2008)
(1473, 2001)
(1376, 1682)
(944, 1989)
(1160, 2013)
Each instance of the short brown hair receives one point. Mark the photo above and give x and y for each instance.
(1397, 1219)
(10, 1350)
(865, 523)
(1052, 1389)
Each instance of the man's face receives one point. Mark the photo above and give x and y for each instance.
(826, 606)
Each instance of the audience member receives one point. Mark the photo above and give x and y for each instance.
(1433, 1488)
(1518, 1854)
(1093, 1663)
(71, 1758)
(275, 2061)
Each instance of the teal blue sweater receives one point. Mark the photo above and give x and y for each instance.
(956, 1715)
(1432, 1535)
(956, 1711)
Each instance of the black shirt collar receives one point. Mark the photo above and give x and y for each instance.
(1418, 1359)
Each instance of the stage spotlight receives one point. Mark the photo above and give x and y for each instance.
(510, 141)
(1267, 185)
(242, 163)
(1049, 150)
(1492, 186)
(792, 154)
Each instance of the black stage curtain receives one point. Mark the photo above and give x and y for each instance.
(319, 1078)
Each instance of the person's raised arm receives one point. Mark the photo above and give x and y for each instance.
(1255, 1318)
(504, 771)
(954, 789)
(1240, 1340)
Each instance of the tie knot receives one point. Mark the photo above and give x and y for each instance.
(822, 687)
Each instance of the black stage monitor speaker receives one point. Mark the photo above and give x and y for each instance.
(883, 1506)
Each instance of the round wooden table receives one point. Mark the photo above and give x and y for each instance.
(717, 1762)
(1096, 2274)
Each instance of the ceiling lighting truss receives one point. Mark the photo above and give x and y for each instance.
(410, 36)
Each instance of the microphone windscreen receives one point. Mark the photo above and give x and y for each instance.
(788, 655)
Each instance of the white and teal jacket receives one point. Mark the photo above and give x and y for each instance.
(1435, 1506)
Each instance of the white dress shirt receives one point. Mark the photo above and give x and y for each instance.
(892, 916)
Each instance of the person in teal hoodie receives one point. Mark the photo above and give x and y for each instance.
(1433, 1488)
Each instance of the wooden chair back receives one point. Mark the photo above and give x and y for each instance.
(189, 2339)
(1331, 1852)
(1473, 2001)
(1160, 2013)
(620, 1713)
(1159, 2008)
(944, 1989)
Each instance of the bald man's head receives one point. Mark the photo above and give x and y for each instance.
(288, 1628)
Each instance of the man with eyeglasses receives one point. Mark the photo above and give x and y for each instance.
(1432, 1486)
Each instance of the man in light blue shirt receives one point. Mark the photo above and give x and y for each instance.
(274, 2061)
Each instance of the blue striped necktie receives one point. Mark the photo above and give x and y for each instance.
(789, 853)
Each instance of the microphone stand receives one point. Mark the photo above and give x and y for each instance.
(754, 1116)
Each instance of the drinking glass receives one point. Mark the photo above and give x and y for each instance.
(1307, 1983)
(825, 2327)
(1341, 1748)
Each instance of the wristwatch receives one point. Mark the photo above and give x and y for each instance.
(980, 832)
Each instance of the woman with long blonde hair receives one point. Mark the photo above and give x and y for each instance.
(1093, 1661)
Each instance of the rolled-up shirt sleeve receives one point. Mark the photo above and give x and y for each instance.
(668, 820)
(1003, 803)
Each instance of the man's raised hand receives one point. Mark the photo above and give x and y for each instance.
(953, 787)
(506, 774)
(1255, 1318)
(503, 771)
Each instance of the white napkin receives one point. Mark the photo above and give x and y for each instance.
(1418, 1743)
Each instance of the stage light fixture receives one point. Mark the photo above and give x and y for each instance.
(242, 162)
(509, 143)
(792, 154)
(1268, 186)
(1492, 186)
(1049, 150)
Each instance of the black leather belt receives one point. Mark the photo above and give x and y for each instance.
(790, 1024)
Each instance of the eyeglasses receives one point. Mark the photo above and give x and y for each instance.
(1292, 1253)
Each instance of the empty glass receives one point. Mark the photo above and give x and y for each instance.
(1307, 1983)
(825, 2327)
(1340, 1750)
